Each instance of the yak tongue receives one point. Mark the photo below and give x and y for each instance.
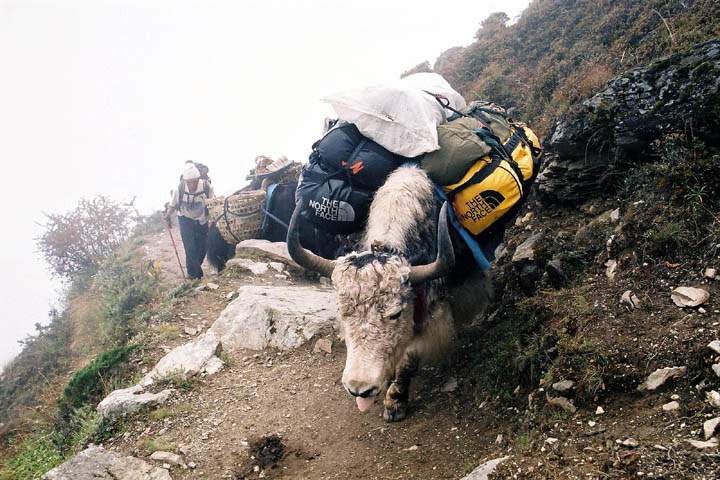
(364, 404)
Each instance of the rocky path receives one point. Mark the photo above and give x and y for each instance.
(159, 248)
(243, 381)
(212, 418)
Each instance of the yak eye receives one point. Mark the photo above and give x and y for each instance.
(395, 316)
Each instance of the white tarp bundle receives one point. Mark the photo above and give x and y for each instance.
(401, 116)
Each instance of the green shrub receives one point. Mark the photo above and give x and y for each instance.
(88, 385)
(35, 456)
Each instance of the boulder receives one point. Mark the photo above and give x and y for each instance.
(483, 471)
(96, 463)
(689, 296)
(186, 360)
(277, 317)
(129, 400)
(658, 378)
(257, 268)
(590, 147)
(275, 251)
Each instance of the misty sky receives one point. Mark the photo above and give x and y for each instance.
(111, 97)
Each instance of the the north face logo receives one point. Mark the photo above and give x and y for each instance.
(493, 198)
(481, 205)
(333, 210)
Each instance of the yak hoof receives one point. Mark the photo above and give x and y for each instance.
(395, 413)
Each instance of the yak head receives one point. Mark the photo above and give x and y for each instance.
(375, 296)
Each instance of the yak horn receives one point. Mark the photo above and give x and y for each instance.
(301, 256)
(445, 260)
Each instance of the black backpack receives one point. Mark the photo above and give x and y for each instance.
(277, 210)
(339, 181)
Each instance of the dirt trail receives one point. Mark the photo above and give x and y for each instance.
(159, 248)
(298, 396)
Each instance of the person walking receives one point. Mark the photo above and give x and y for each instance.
(189, 202)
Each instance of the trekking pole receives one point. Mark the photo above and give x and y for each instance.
(172, 239)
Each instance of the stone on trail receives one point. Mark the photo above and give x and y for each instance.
(168, 457)
(716, 369)
(671, 406)
(96, 463)
(599, 411)
(700, 445)
(186, 360)
(526, 250)
(611, 269)
(563, 386)
(715, 346)
(277, 317)
(710, 273)
(129, 400)
(630, 299)
(212, 286)
(713, 398)
(689, 296)
(450, 385)
(710, 426)
(562, 402)
(630, 443)
(658, 378)
(483, 471)
(323, 345)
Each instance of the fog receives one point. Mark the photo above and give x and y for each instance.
(104, 97)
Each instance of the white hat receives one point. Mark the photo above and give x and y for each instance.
(191, 172)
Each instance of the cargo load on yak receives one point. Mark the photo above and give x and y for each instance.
(338, 183)
(379, 128)
(485, 168)
(255, 211)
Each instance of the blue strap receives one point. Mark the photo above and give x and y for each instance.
(472, 244)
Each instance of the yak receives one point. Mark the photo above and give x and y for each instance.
(400, 295)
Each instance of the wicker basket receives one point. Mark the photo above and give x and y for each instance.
(239, 216)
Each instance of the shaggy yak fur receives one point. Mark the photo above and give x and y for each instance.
(391, 326)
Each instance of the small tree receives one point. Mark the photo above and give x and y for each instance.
(78, 241)
(492, 25)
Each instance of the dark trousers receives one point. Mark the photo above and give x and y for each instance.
(194, 236)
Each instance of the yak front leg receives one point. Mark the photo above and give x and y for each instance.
(396, 398)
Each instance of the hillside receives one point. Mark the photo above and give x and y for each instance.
(239, 376)
(559, 51)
